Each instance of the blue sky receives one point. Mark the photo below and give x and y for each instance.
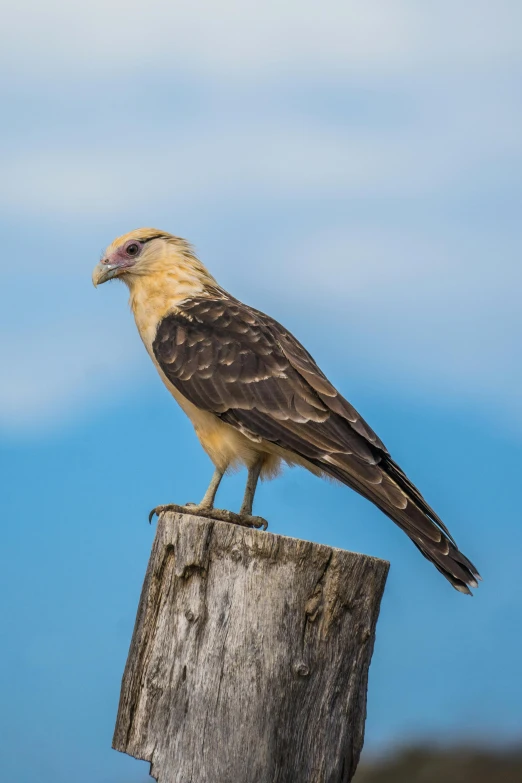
(355, 171)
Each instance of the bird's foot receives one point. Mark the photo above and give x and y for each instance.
(187, 508)
(248, 520)
(245, 520)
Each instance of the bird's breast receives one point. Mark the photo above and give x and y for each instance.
(226, 446)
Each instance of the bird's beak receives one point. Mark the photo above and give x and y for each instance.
(103, 272)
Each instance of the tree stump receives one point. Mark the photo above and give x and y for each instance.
(250, 655)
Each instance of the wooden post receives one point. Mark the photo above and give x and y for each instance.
(250, 655)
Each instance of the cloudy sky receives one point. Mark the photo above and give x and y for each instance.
(355, 170)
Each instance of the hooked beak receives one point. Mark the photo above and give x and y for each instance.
(104, 271)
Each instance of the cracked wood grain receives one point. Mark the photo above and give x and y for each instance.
(250, 655)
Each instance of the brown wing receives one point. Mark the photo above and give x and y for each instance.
(247, 369)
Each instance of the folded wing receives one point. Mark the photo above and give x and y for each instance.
(246, 368)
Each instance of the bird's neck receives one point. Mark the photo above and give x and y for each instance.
(153, 296)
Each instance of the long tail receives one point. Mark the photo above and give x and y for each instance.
(399, 499)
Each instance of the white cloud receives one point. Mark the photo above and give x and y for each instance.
(241, 38)
(449, 140)
(459, 93)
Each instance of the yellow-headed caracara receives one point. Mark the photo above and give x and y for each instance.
(256, 397)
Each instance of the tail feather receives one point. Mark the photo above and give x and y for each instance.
(403, 481)
(414, 516)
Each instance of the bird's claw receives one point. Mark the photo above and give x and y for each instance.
(252, 521)
(159, 510)
(221, 514)
(155, 512)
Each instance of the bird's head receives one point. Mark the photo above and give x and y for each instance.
(146, 253)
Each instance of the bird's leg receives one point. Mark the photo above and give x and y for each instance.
(207, 501)
(248, 500)
(250, 489)
(206, 507)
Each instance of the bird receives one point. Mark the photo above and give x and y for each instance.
(256, 397)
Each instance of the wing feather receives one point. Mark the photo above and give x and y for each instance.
(246, 368)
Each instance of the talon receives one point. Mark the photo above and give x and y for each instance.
(152, 514)
(257, 522)
(248, 520)
(160, 509)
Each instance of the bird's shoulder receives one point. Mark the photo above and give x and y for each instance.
(227, 331)
(217, 313)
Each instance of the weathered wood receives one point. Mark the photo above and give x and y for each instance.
(250, 655)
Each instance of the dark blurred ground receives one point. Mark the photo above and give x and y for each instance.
(438, 765)
(435, 765)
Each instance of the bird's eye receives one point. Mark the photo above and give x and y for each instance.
(133, 249)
